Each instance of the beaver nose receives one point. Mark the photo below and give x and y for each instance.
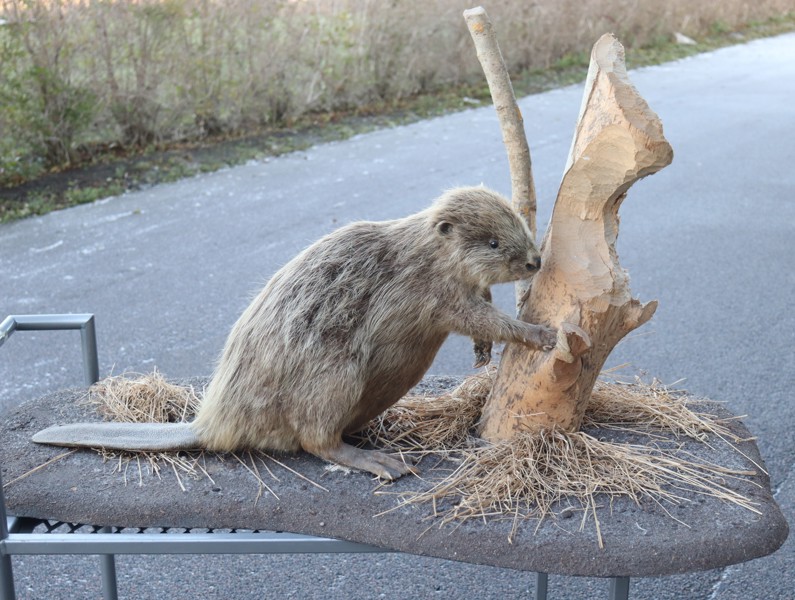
(534, 266)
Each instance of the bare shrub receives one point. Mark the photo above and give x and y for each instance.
(138, 72)
(55, 103)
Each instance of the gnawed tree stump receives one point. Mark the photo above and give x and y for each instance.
(581, 287)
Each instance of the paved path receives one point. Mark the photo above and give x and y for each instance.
(167, 270)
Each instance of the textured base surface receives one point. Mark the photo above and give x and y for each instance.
(700, 533)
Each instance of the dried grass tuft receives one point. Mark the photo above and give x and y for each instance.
(427, 424)
(535, 475)
(649, 407)
(138, 398)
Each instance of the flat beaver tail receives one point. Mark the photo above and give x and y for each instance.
(135, 437)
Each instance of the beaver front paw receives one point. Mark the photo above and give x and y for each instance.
(541, 337)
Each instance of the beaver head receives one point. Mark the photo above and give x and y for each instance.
(487, 239)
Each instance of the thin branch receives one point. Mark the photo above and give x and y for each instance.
(511, 121)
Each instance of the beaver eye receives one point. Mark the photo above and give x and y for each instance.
(494, 244)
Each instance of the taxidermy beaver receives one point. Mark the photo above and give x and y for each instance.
(345, 329)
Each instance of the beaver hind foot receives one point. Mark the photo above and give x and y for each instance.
(372, 461)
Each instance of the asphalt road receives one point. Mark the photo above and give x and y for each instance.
(167, 270)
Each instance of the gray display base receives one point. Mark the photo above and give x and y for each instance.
(638, 540)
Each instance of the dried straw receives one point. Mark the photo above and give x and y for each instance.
(137, 398)
(427, 424)
(149, 398)
(531, 476)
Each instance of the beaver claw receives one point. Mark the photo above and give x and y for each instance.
(549, 338)
(482, 354)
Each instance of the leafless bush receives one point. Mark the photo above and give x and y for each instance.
(137, 72)
(54, 100)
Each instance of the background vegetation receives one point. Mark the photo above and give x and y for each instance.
(82, 79)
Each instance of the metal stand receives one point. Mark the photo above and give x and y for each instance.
(6, 573)
(542, 581)
(85, 323)
(110, 587)
(619, 588)
(88, 342)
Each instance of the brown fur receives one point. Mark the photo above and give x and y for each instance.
(348, 326)
(345, 329)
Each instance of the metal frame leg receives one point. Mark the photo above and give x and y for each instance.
(6, 572)
(619, 588)
(88, 342)
(110, 588)
(6, 579)
(542, 581)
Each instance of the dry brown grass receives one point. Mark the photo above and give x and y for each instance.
(427, 424)
(134, 398)
(137, 398)
(533, 475)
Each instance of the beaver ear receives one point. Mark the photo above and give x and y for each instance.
(444, 227)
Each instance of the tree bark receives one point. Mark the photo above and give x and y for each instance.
(581, 287)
